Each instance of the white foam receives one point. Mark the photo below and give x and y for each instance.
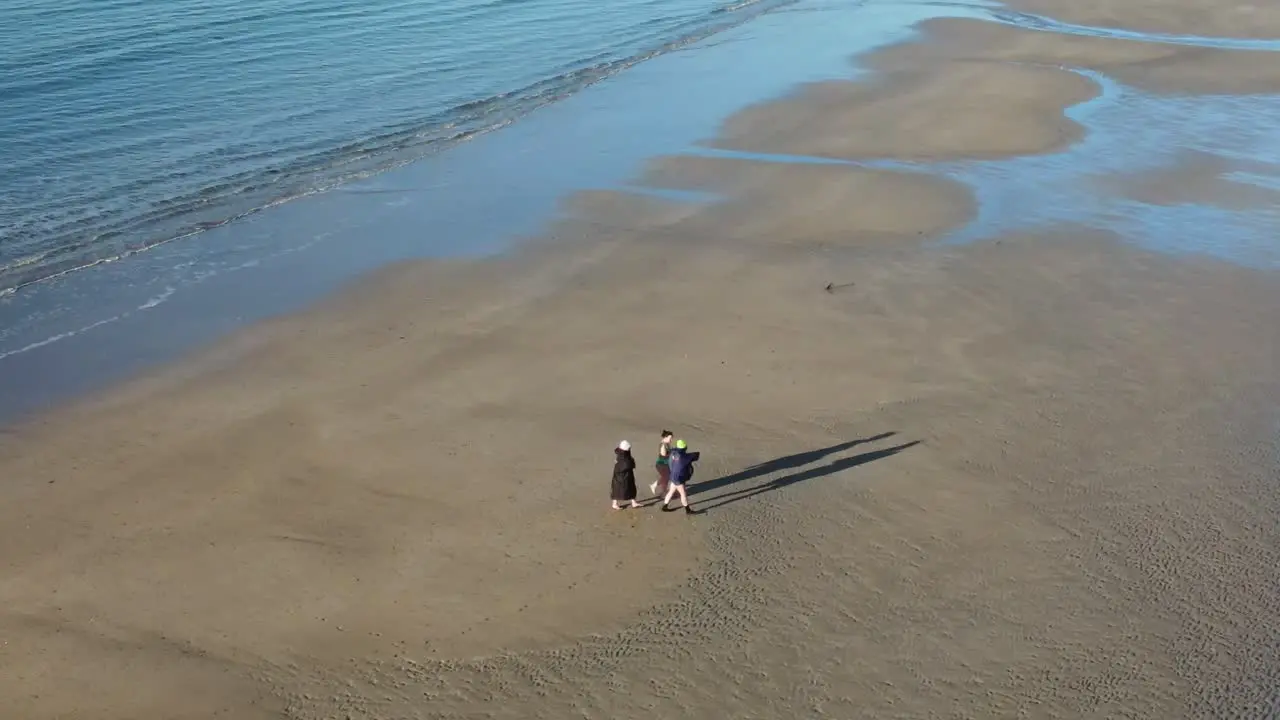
(154, 301)
(61, 336)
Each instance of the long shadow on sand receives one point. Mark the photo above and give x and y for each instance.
(787, 462)
(812, 473)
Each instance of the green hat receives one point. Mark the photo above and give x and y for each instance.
(681, 444)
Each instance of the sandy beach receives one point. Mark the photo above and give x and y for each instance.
(1027, 477)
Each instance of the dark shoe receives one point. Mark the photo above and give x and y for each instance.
(668, 508)
(689, 511)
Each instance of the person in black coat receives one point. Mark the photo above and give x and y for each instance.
(624, 476)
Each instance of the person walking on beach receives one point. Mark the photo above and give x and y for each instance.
(680, 461)
(624, 476)
(659, 487)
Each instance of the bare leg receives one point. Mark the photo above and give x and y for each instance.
(684, 496)
(659, 488)
(671, 490)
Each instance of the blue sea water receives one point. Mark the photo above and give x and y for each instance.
(127, 123)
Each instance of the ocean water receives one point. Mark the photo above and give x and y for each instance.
(128, 123)
(76, 332)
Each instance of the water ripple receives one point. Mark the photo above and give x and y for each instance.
(130, 124)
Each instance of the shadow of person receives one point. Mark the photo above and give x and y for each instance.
(812, 473)
(787, 462)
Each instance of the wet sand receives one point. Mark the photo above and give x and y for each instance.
(1195, 178)
(1031, 476)
(1216, 18)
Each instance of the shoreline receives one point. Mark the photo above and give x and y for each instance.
(971, 476)
(472, 201)
(157, 308)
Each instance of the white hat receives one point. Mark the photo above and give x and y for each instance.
(624, 445)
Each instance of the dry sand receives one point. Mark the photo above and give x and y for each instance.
(938, 111)
(1032, 477)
